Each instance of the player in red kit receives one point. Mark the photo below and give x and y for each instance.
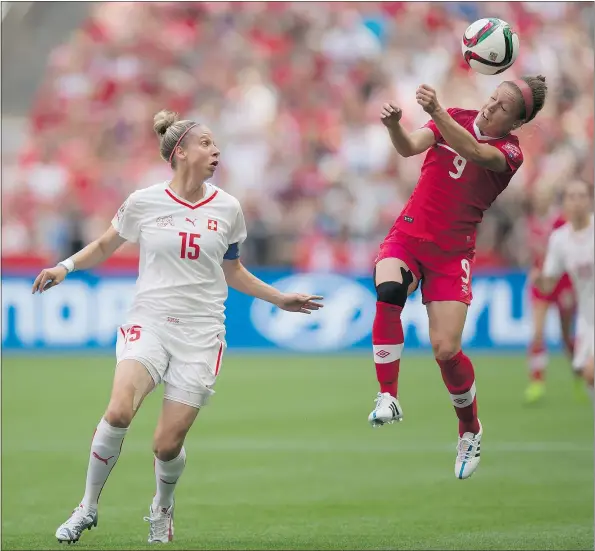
(471, 158)
(542, 220)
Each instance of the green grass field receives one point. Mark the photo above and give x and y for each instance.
(283, 458)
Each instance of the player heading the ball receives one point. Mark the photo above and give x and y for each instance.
(471, 157)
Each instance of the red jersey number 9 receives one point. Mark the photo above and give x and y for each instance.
(459, 164)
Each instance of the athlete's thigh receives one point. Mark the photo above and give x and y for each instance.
(446, 322)
(145, 346)
(132, 383)
(175, 421)
(394, 258)
(447, 276)
(194, 368)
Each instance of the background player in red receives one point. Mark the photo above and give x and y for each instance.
(472, 157)
(544, 217)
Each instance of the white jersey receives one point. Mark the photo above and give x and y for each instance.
(182, 247)
(573, 252)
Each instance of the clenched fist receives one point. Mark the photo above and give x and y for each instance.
(427, 98)
(390, 115)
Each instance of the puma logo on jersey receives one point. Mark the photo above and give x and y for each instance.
(193, 221)
(164, 221)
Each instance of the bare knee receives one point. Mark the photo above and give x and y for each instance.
(167, 447)
(118, 414)
(445, 347)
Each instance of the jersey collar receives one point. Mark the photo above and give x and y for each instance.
(208, 197)
(481, 136)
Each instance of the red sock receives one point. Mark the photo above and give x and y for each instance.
(387, 340)
(537, 360)
(459, 378)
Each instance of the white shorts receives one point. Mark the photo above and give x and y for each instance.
(584, 345)
(187, 358)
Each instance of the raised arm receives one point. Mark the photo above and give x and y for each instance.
(92, 255)
(458, 137)
(407, 144)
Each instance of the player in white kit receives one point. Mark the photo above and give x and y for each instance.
(189, 233)
(571, 249)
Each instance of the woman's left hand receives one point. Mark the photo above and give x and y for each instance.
(426, 97)
(296, 302)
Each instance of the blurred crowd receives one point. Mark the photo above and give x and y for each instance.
(292, 91)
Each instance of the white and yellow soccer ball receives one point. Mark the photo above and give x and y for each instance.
(490, 46)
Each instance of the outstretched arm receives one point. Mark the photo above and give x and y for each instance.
(93, 254)
(407, 144)
(240, 279)
(458, 137)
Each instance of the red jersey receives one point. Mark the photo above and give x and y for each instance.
(452, 193)
(539, 230)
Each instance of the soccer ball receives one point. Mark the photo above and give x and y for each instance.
(490, 46)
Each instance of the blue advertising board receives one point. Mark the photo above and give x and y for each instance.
(83, 314)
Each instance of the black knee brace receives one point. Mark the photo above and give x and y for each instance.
(395, 293)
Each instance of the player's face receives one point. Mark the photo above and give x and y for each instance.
(500, 114)
(201, 152)
(577, 201)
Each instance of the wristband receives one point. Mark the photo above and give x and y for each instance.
(68, 264)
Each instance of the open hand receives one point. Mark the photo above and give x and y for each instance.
(49, 278)
(390, 115)
(426, 97)
(296, 302)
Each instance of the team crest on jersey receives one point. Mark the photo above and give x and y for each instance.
(212, 225)
(164, 221)
(512, 150)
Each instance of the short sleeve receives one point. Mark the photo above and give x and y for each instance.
(452, 111)
(512, 153)
(127, 220)
(554, 259)
(238, 232)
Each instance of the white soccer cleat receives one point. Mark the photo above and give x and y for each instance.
(80, 520)
(161, 524)
(387, 410)
(468, 452)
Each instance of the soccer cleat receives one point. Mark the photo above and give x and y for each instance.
(535, 392)
(468, 451)
(387, 410)
(80, 520)
(161, 524)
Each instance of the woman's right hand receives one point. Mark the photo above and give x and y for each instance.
(390, 115)
(49, 278)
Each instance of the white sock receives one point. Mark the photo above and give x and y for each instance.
(105, 449)
(167, 474)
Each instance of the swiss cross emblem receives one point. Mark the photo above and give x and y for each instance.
(212, 225)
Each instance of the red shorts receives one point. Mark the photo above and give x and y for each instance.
(562, 295)
(443, 275)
